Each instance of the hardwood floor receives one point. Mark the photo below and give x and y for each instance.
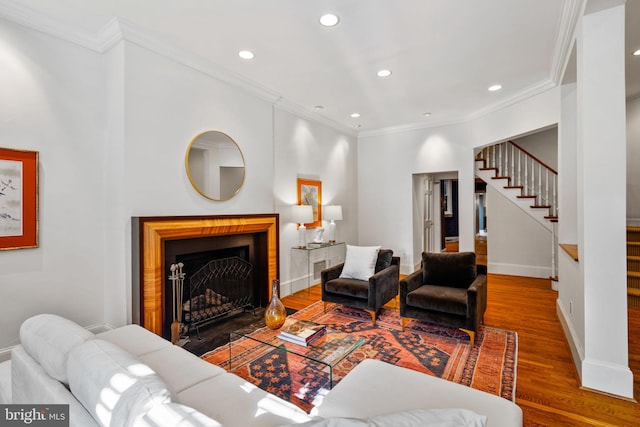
(547, 388)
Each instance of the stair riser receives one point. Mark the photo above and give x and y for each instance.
(633, 236)
(633, 282)
(633, 301)
(633, 250)
(633, 265)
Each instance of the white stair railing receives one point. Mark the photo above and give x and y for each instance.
(526, 171)
(536, 180)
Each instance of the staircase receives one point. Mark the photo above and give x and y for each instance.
(633, 267)
(526, 181)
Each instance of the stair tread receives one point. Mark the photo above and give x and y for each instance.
(488, 169)
(633, 258)
(540, 206)
(519, 187)
(526, 197)
(501, 177)
(633, 274)
(633, 229)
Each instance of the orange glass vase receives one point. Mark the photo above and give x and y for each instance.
(275, 314)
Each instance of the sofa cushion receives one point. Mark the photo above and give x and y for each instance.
(49, 338)
(457, 269)
(176, 415)
(439, 298)
(193, 370)
(112, 385)
(135, 339)
(384, 259)
(235, 402)
(348, 287)
(360, 262)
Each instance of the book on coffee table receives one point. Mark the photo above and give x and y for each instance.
(302, 332)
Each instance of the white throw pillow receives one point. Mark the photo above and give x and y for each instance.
(360, 262)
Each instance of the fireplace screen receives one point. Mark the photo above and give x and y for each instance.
(219, 288)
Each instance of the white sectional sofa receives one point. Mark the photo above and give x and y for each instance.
(131, 377)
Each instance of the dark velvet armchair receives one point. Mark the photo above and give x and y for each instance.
(369, 295)
(446, 291)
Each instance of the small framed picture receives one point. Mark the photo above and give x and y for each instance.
(310, 193)
(18, 199)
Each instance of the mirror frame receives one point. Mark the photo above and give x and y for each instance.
(187, 169)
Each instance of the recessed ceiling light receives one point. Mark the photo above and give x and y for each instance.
(329, 20)
(384, 73)
(426, 114)
(637, 52)
(319, 107)
(246, 54)
(357, 126)
(355, 115)
(495, 88)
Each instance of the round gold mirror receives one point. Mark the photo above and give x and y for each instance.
(215, 165)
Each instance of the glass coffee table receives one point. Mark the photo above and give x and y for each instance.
(326, 352)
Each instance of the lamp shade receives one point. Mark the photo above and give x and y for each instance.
(302, 214)
(333, 213)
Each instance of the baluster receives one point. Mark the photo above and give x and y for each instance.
(499, 159)
(546, 195)
(493, 156)
(519, 168)
(526, 176)
(513, 162)
(539, 199)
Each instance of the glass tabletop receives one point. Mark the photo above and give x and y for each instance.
(329, 349)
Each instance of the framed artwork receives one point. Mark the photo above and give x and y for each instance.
(18, 199)
(310, 193)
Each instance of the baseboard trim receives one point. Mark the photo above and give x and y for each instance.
(539, 272)
(633, 222)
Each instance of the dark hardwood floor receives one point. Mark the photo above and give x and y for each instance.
(548, 388)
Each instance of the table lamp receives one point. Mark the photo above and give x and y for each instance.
(302, 214)
(333, 213)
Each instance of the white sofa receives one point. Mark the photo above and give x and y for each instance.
(130, 376)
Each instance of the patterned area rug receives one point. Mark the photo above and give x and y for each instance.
(443, 352)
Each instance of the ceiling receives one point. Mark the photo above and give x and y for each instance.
(443, 54)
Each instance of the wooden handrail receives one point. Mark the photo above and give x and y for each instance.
(533, 157)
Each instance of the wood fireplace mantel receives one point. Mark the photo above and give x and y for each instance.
(151, 234)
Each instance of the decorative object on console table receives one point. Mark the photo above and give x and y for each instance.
(302, 214)
(275, 314)
(310, 194)
(333, 213)
(18, 199)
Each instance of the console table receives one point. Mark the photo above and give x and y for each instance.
(309, 261)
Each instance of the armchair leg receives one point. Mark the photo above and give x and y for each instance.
(472, 336)
(373, 317)
(403, 322)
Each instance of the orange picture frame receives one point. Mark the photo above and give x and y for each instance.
(18, 199)
(310, 193)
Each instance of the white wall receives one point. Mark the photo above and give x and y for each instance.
(306, 149)
(633, 162)
(386, 165)
(517, 244)
(52, 96)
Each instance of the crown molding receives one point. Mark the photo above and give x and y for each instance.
(565, 36)
(29, 18)
(535, 89)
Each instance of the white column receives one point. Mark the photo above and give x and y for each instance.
(601, 173)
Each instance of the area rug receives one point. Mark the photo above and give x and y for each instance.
(490, 366)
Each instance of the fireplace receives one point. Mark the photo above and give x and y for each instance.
(160, 241)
